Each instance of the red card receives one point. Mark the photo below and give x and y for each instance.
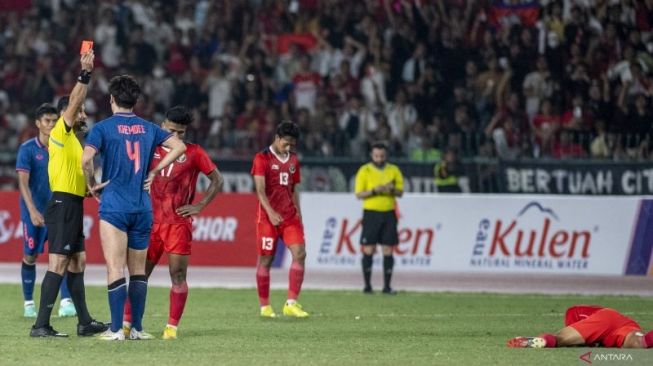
(86, 46)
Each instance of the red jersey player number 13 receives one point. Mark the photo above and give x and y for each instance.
(276, 176)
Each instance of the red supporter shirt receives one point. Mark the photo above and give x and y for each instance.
(306, 88)
(549, 122)
(175, 185)
(281, 176)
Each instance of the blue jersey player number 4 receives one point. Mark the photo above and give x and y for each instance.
(126, 144)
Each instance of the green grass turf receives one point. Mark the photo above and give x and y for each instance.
(221, 327)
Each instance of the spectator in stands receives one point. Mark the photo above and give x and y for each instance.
(565, 148)
(439, 54)
(358, 122)
(373, 88)
(538, 85)
(401, 115)
(600, 145)
(576, 117)
(335, 141)
(545, 128)
(448, 173)
(598, 105)
(305, 85)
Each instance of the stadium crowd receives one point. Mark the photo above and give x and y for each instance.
(513, 79)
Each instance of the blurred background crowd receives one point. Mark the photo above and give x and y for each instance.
(509, 79)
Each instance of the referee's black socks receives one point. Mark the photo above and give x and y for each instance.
(388, 265)
(367, 270)
(78, 294)
(49, 291)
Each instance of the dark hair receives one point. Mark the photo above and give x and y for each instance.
(43, 109)
(288, 129)
(63, 103)
(125, 91)
(379, 145)
(179, 115)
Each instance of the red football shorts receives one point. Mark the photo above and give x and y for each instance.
(290, 231)
(607, 327)
(580, 312)
(169, 238)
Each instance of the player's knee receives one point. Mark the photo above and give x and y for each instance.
(266, 261)
(77, 263)
(569, 336)
(76, 266)
(177, 276)
(58, 267)
(369, 249)
(299, 255)
(29, 259)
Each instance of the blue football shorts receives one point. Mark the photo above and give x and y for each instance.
(137, 226)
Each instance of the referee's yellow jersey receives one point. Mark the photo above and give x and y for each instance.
(65, 165)
(369, 177)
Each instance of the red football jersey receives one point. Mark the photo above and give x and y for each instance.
(281, 176)
(175, 185)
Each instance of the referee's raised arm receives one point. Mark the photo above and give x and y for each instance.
(64, 215)
(78, 94)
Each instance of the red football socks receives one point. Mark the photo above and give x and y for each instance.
(127, 314)
(263, 285)
(178, 296)
(295, 280)
(648, 339)
(550, 339)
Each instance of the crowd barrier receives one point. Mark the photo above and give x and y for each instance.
(223, 234)
(437, 233)
(476, 175)
(492, 233)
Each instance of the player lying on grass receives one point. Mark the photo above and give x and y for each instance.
(594, 326)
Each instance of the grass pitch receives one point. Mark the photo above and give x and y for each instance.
(222, 327)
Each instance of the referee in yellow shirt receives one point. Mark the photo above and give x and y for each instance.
(378, 184)
(64, 215)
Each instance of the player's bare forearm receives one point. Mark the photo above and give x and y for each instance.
(93, 188)
(23, 187)
(369, 193)
(78, 94)
(273, 216)
(295, 200)
(77, 97)
(214, 187)
(87, 166)
(177, 147)
(259, 183)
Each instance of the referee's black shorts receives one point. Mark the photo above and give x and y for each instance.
(64, 218)
(379, 227)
